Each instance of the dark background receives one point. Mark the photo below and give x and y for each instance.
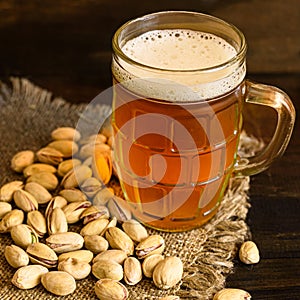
(65, 47)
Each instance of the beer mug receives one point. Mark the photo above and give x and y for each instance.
(178, 95)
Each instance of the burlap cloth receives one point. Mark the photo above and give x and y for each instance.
(27, 116)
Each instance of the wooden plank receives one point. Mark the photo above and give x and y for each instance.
(275, 279)
(42, 38)
(272, 30)
(275, 228)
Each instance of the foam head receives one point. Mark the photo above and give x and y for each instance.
(174, 65)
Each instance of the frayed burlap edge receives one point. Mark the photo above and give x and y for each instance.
(207, 253)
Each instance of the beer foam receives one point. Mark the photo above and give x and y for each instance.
(180, 53)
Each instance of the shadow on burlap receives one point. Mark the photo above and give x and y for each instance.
(28, 114)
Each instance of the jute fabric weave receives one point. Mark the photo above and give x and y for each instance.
(27, 116)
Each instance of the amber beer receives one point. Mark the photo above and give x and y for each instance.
(159, 204)
(177, 115)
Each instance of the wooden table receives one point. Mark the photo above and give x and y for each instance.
(64, 46)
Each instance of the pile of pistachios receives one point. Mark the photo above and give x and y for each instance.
(68, 182)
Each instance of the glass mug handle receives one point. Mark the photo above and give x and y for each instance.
(257, 93)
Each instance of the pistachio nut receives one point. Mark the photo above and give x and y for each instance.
(41, 194)
(74, 210)
(65, 241)
(37, 168)
(21, 160)
(11, 219)
(116, 255)
(37, 221)
(249, 253)
(108, 289)
(88, 161)
(57, 221)
(65, 133)
(76, 176)
(91, 186)
(91, 148)
(41, 254)
(232, 294)
(95, 138)
(112, 223)
(23, 235)
(93, 213)
(8, 189)
(168, 272)
(73, 195)
(16, 256)
(65, 147)
(49, 156)
(119, 208)
(59, 283)
(106, 268)
(25, 201)
(48, 180)
(118, 239)
(67, 165)
(153, 244)
(135, 230)
(102, 165)
(110, 142)
(102, 197)
(132, 271)
(76, 268)
(85, 256)
(86, 151)
(107, 128)
(5, 207)
(149, 264)
(56, 201)
(28, 277)
(95, 227)
(95, 243)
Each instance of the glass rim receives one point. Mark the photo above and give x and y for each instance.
(239, 56)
